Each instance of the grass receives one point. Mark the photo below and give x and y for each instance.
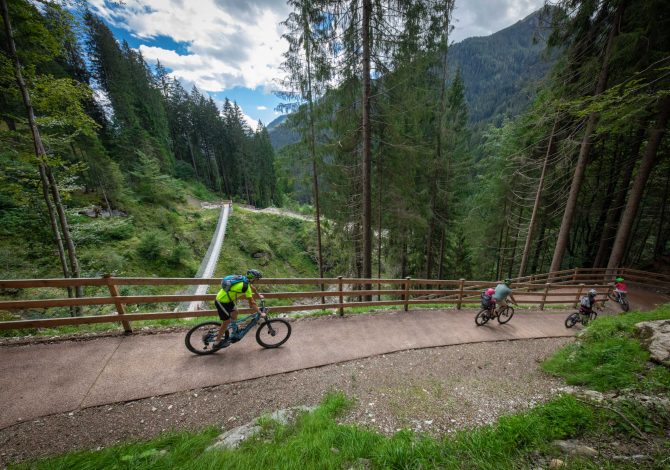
(607, 356)
(145, 245)
(317, 440)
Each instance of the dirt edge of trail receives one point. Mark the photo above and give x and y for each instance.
(435, 390)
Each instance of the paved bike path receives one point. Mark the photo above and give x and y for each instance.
(43, 379)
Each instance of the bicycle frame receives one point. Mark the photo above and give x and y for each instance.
(255, 318)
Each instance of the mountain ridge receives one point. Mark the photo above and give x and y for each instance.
(498, 71)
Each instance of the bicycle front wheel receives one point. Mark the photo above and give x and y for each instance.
(202, 337)
(482, 317)
(273, 333)
(572, 319)
(505, 315)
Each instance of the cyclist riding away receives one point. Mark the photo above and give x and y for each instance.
(502, 292)
(225, 301)
(620, 288)
(588, 301)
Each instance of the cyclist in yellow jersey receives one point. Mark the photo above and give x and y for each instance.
(225, 303)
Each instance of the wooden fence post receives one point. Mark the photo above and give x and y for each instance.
(544, 296)
(461, 282)
(119, 306)
(407, 281)
(339, 282)
(574, 276)
(579, 295)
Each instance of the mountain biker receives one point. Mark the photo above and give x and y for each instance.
(588, 301)
(620, 287)
(503, 291)
(225, 303)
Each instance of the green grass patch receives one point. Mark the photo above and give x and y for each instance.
(317, 440)
(607, 356)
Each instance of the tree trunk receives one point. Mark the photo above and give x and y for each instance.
(646, 165)
(379, 221)
(613, 216)
(440, 268)
(516, 242)
(72, 254)
(312, 148)
(578, 176)
(538, 196)
(538, 247)
(367, 167)
(498, 267)
(659, 248)
(45, 172)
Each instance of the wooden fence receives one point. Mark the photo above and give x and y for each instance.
(562, 287)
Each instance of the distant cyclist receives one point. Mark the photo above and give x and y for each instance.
(502, 292)
(620, 288)
(237, 286)
(588, 301)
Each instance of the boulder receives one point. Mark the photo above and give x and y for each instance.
(233, 438)
(575, 448)
(655, 337)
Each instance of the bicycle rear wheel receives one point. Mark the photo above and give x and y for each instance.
(625, 306)
(273, 333)
(572, 319)
(201, 338)
(505, 315)
(482, 317)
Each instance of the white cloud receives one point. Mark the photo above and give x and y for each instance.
(484, 17)
(261, 108)
(251, 122)
(238, 42)
(229, 43)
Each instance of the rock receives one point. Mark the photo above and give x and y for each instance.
(655, 336)
(556, 463)
(233, 438)
(574, 448)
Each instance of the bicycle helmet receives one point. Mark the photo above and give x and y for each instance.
(254, 274)
(593, 292)
(507, 282)
(619, 279)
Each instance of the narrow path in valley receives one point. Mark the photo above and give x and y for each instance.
(208, 264)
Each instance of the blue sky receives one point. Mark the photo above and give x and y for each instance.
(232, 48)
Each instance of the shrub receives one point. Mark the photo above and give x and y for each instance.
(151, 246)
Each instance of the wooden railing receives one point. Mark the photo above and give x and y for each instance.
(562, 287)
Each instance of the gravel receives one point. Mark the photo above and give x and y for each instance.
(435, 391)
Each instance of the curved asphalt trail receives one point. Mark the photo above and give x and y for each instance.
(43, 379)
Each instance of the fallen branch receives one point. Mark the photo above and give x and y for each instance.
(639, 432)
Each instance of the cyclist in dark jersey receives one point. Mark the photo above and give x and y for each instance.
(225, 303)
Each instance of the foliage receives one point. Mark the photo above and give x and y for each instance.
(608, 356)
(317, 440)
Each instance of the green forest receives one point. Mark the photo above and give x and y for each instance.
(416, 157)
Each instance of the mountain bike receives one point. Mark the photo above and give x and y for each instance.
(271, 333)
(583, 317)
(620, 298)
(503, 314)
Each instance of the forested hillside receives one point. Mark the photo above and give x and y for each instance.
(125, 147)
(427, 159)
(580, 178)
